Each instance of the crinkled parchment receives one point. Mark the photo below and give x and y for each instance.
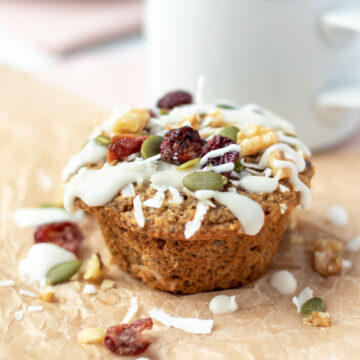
(40, 127)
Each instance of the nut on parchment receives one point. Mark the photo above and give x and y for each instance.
(47, 294)
(254, 138)
(93, 268)
(107, 284)
(319, 319)
(133, 122)
(92, 335)
(327, 257)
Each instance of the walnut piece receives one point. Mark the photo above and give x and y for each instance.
(254, 138)
(215, 119)
(327, 257)
(318, 318)
(93, 268)
(92, 335)
(278, 155)
(132, 122)
(194, 121)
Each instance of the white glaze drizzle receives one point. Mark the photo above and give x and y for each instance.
(219, 152)
(223, 168)
(259, 184)
(249, 213)
(294, 141)
(91, 153)
(138, 212)
(194, 225)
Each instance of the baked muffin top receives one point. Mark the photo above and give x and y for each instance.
(218, 160)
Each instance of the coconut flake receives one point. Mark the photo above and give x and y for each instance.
(337, 215)
(89, 289)
(283, 188)
(35, 308)
(19, 315)
(223, 304)
(176, 197)
(134, 307)
(193, 226)
(138, 212)
(302, 298)
(27, 293)
(353, 245)
(128, 190)
(284, 282)
(6, 283)
(191, 325)
(157, 200)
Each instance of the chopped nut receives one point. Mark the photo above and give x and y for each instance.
(327, 257)
(107, 284)
(93, 268)
(193, 121)
(215, 119)
(278, 155)
(92, 335)
(318, 318)
(254, 138)
(132, 122)
(47, 294)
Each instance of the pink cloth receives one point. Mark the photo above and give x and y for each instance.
(62, 26)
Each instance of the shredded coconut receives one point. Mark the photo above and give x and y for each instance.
(134, 307)
(35, 308)
(337, 215)
(283, 188)
(19, 315)
(284, 282)
(128, 190)
(193, 226)
(138, 212)
(353, 245)
(27, 293)
(157, 200)
(302, 298)
(223, 304)
(191, 325)
(6, 283)
(89, 289)
(176, 197)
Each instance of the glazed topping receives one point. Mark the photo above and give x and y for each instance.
(206, 151)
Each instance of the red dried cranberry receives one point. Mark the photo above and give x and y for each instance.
(121, 146)
(127, 340)
(218, 142)
(173, 99)
(181, 145)
(66, 234)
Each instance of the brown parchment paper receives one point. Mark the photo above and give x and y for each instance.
(40, 128)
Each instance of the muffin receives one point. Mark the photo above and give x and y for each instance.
(191, 197)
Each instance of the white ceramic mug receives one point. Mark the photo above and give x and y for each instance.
(299, 58)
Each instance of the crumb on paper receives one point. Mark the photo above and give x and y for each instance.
(35, 308)
(305, 295)
(77, 285)
(19, 315)
(6, 283)
(353, 245)
(27, 293)
(107, 284)
(318, 318)
(337, 215)
(296, 239)
(327, 257)
(346, 264)
(93, 268)
(223, 304)
(89, 289)
(47, 294)
(93, 335)
(284, 282)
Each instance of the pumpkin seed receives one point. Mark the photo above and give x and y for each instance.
(204, 181)
(62, 272)
(48, 205)
(226, 106)
(230, 132)
(238, 166)
(189, 164)
(103, 140)
(314, 304)
(151, 146)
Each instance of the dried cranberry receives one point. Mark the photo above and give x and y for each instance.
(173, 99)
(66, 234)
(181, 145)
(124, 145)
(127, 340)
(218, 142)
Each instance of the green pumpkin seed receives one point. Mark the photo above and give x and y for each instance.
(238, 166)
(226, 106)
(48, 205)
(314, 304)
(204, 181)
(103, 140)
(164, 111)
(189, 164)
(256, 111)
(289, 134)
(62, 272)
(230, 132)
(151, 146)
